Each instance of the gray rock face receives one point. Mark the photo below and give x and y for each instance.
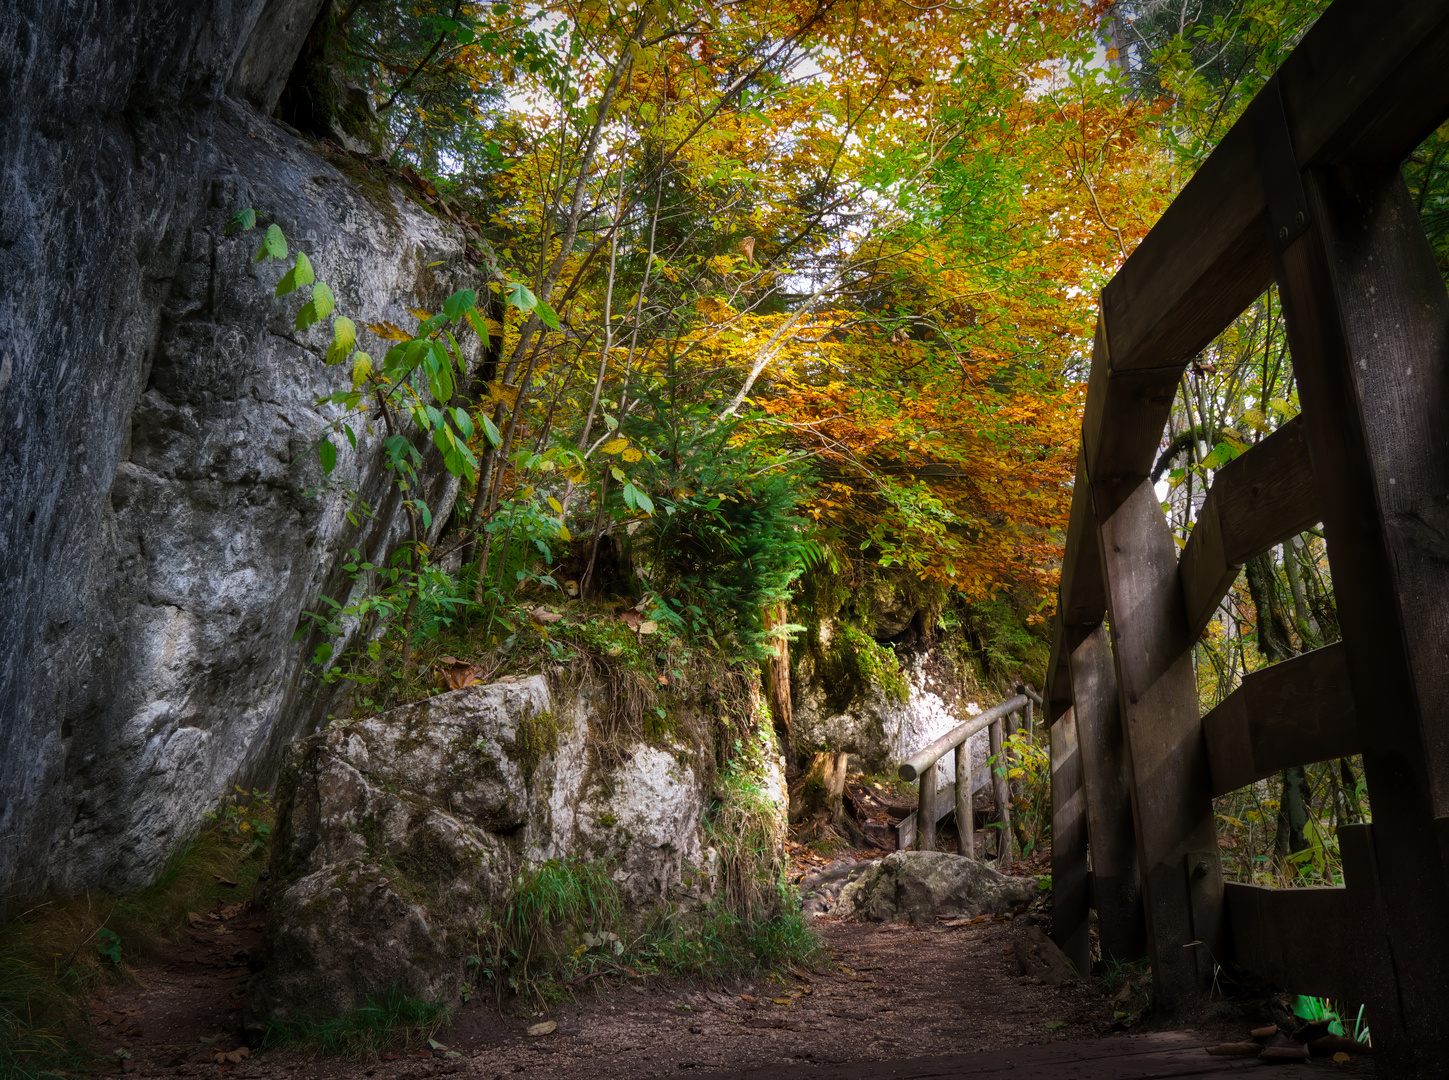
(157, 425)
(881, 730)
(399, 839)
(918, 886)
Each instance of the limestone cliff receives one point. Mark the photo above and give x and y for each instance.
(157, 425)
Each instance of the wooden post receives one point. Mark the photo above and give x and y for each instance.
(926, 811)
(1106, 780)
(1029, 714)
(1002, 794)
(965, 817)
(1070, 915)
(1368, 324)
(1157, 691)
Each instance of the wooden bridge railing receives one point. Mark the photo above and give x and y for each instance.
(1305, 191)
(921, 767)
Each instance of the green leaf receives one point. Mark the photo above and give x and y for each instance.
(630, 493)
(618, 474)
(440, 372)
(464, 422)
(328, 453)
(431, 325)
(344, 337)
(644, 502)
(520, 297)
(546, 315)
(300, 274)
(490, 431)
(318, 308)
(323, 653)
(456, 305)
(243, 220)
(274, 244)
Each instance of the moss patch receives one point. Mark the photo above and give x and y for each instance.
(535, 739)
(854, 662)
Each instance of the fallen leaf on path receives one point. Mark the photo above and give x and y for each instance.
(543, 615)
(548, 1027)
(749, 998)
(1340, 1057)
(224, 881)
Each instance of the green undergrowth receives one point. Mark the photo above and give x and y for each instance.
(392, 1021)
(58, 952)
(568, 923)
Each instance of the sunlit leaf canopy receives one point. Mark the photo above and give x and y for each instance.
(872, 231)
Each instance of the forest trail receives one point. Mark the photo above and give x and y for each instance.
(895, 1000)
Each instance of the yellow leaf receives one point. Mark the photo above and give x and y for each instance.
(614, 446)
(564, 534)
(390, 331)
(631, 455)
(420, 314)
(361, 369)
(555, 504)
(498, 391)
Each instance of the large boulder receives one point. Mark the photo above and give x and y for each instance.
(159, 415)
(400, 838)
(919, 886)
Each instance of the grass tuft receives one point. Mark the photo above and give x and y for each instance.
(396, 1020)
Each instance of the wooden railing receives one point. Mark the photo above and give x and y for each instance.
(920, 827)
(1305, 191)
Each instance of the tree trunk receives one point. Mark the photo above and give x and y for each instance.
(777, 688)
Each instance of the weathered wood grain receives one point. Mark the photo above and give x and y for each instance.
(1256, 501)
(1122, 423)
(1172, 808)
(965, 816)
(1292, 713)
(1365, 84)
(1070, 913)
(1368, 324)
(1001, 794)
(1106, 776)
(1300, 939)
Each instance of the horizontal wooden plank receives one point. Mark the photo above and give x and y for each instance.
(1292, 713)
(1366, 83)
(1260, 499)
(1303, 940)
(1267, 494)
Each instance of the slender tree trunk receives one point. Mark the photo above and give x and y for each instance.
(777, 684)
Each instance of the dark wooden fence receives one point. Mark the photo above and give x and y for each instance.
(1305, 191)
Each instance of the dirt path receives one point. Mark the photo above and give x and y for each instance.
(881, 993)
